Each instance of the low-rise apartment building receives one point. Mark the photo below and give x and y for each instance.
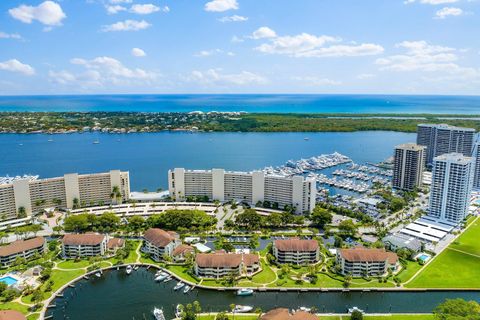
(360, 262)
(296, 251)
(250, 187)
(220, 264)
(84, 245)
(159, 243)
(21, 249)
(70, 191)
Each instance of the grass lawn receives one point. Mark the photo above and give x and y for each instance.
(401, 317)
(451, 269)
(72, 264)
(181, 271)
(412, 268)
(13, 306)
(33, 316)
(267, 275)
(468, 241)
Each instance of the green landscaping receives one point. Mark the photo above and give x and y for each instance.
(456, 266)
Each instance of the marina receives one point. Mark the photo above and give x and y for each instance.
(138, 294)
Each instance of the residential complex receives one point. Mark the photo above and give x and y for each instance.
(476, 156)
(159, 243)
(408, 164)
(296, 251)
(442, 138)
(452, 181)
(21, 249)
(249, 187)
(221, 264)
(69, 191)
(84, 245)
(360, 262)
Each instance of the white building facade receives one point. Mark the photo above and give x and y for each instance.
(250, 187)
(476, 156)
(452, 181)
(65, 192)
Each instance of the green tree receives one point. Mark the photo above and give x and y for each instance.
(347, 228)
(136, 224)
(456, 309)
(221, 316)
(78, 223)
(22, 212)
(321, 217)
(108, 221)
(356, 315)
(249, 219)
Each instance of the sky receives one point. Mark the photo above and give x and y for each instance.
(240, 46)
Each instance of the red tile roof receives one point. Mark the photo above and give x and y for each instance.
(159, 237)
(11, 315)
(115, 243)
(21, 246)
(284, 314)
(360, 254)
(182, 249)
(231, 260)
(87, 239)
(296, 244)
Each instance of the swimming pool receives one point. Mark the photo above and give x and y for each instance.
(423, 257)
(8, 280)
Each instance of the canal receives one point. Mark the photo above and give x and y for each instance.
(119, 296)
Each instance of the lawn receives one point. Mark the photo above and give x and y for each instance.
(409, 271)
(468, 241)
(13, 306)
(451, 269)
(267, 275)
(454, 269)
(401, 317)
(73, 264)
(181, 271)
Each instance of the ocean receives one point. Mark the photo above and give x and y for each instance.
(263, 103)
(148, 156)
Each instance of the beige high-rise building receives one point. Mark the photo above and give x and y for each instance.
(249, 187)
(408, 165)
(68, 191)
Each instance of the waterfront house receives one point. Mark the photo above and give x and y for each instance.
(21, 249)
(181, 252)
(114, 244)
(159, 243)
(402, 241)
(84, 245)
(296, 251)
(360, 262)
(284, 314)
(221, 264)
(11, 315)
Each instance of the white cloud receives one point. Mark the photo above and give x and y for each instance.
(216, 77)
(263, 32)
(48, 13)
(102, 71)
(307, 45)
(144, 8)
(236, 39)
(364, 76)
(137, 52)
(127, 25)
(432, 2)
(317, 82)
(221, 5)
(448, 11)
(120, 1)
(207, 53)
(4, 35)
(114, 9)
(234, 18)
(14, 65)
(424, 57)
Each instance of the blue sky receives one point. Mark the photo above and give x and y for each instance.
(240, 46)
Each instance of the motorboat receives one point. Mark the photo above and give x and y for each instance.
(158, 314)
(96, 142)
(129, 269)
(179, 285)
(98, 274)
(242, 309)
(186, 289)
(167, 279)
(353, 309)
(305, 309)
(162, 276)
(244, 292)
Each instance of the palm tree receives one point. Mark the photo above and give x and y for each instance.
(116, 195)
(76, 203)
(22, 212)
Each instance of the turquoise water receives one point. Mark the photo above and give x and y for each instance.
(148, 156)
(8, 280)
(278, 103)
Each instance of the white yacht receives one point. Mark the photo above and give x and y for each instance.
(158, 314)
(179, 285)
(244, 292)
(129, 269)
(186, 289)
(352, 309)
(242, 309)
